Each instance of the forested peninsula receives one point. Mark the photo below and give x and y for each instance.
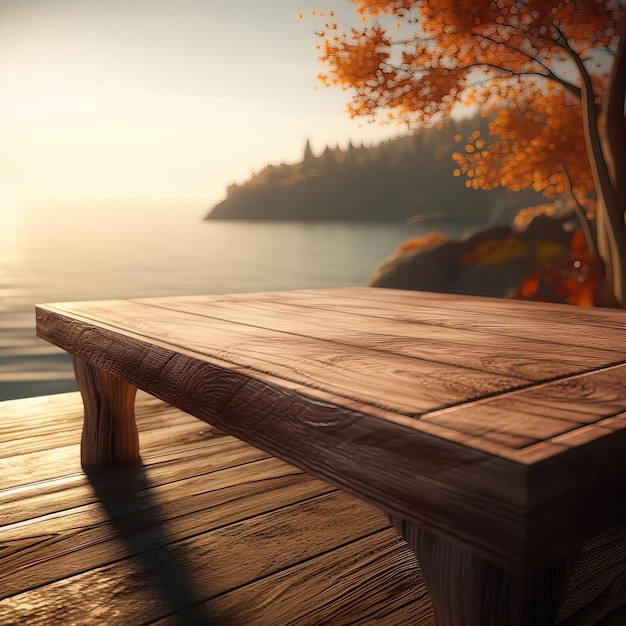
(409, 178)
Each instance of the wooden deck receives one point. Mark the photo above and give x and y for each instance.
(491, 432)
(208, 530)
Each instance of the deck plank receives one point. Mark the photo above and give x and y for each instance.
(218, 536)
(144, 591)
(241, 527)
(225, 531)
(329, 589)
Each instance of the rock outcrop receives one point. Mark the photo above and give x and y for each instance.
(490, 261)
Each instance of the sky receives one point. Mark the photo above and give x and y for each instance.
(160, 99)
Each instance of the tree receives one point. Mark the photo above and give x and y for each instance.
(308, 157)
(552, 75)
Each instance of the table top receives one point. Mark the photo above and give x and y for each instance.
(489, 421)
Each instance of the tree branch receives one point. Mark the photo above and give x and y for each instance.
(580, 212)
(464, 68)
(614, 129)
(550, 75)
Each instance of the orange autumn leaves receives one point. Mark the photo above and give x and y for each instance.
(539, 144)
(519, 62)
(360, 58)
(506, 57)
(513, 45)
(580, 280)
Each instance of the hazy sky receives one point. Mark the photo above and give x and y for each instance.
(159, 98)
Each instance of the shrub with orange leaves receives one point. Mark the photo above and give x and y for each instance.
(580, 280)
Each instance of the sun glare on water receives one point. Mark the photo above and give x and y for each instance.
(9, 224)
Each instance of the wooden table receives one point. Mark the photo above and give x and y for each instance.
(492, 432)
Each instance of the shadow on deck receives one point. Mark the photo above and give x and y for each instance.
(209, 530)
(206, 530)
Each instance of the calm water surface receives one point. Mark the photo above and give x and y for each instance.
(122, 252)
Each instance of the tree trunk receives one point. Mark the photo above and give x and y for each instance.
(613, 129)
(611, 229)
(607, 157)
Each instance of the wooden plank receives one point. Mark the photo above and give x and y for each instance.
(48, 431)
(363, 582)
(78, 505)
(164, 432)
(24, 469)
(395, 382)
(259, 535)
(524, 428)
(386, 297)
(133, 530)
(561, 324)
(374, 580)
(514, 439)
(176, 573)
(604, 317)
(525, 357)
(545, 412)
(159, 539)
(140, 590)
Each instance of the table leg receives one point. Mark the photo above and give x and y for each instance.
(470, 591)
(109, 431)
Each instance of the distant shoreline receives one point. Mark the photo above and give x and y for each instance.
(435, 217)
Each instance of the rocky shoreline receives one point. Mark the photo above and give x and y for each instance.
(490, 261)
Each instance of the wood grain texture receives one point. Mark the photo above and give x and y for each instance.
(331, 590)
(226, 535)
(341, 385)
(596, 592)
(506, 308)
(397, 382)
(159, 542)
(559, 324)
(380, 466)
(109, 431)
(459, 342)
(468, 590)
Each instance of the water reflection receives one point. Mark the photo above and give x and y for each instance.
(104, 251)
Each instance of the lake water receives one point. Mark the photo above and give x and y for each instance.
(121, 252)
